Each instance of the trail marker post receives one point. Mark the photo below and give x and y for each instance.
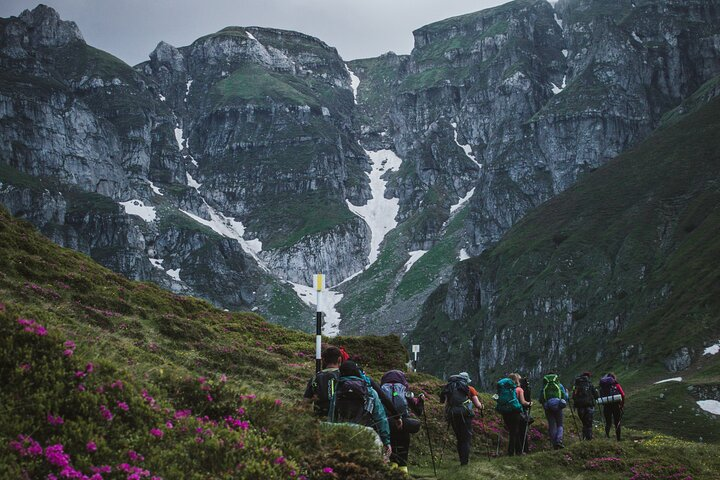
(318, 284)
(415, 351)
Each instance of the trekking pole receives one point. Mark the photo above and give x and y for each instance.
(497, 450)
(572, 411)
(487, 439)
(527, 427)
(427, 432)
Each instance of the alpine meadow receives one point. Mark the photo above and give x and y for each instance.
(497, 256)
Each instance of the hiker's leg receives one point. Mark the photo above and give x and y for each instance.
(607, 413)
(552, 425)
(403, 448)
(559, 432)
(467, 438)
(519, 432)
(457, 429)
(617, 413)
(507, 420)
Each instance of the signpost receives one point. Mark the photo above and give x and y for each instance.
(318, 284)
(415, 351)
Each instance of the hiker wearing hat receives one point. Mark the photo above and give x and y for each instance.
(583, 397)
(395, 386)
(356, 402)
(459, 398)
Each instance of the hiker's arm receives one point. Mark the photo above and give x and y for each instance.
(521, 397)
(309, 395)
(622, 393)
(380, 419)
(476, 402)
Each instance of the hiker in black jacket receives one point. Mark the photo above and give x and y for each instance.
(459, 398)
(321, 387)
(584, 396)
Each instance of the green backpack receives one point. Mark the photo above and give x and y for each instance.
(507, 401)
(551, 388)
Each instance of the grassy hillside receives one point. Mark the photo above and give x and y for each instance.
(101, 374)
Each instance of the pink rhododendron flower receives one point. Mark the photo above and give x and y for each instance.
(123, 406)
(25, 367)
(240, 411)
(91, 447)
(101, 469)
(89, 368)
(327, 470)
(169, 425)
(55, 419)
(55, 456)
(278, 402)
(182, 414)
(279, 460)
(106, 413)
(26, 446)
(134, 456)
(117, 384)
(69, 344)
(81, 387)
(201, 380)
(209, 398)
(223, 378)
(156, 432)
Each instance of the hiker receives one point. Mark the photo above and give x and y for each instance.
(554, 398)
(459, 398)
(321, 387)
(525, 419)
(509, 406)
(355, 401)
(614, 404)
(396, 386)
(583, 397)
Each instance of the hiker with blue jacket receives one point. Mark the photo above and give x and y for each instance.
(395, 385)
(459, 399)
(554, 399)
(356, 402)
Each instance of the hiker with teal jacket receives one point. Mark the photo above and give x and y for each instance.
(554, 399)
(356, 402)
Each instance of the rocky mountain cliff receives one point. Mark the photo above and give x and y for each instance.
(497, 111)
(619, 271)
(236, 167)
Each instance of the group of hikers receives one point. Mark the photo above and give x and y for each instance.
(343, 393)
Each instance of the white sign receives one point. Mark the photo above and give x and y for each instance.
(319, 282)
(416, 348)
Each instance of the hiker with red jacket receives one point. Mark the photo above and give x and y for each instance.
(584, 396)
(396, 386)
(459, 398)
(613, 407)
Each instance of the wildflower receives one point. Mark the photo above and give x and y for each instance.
(240, 411)
(81, 387)
(134, 456)
(156, 432)
(123, 406)
(209, 398)
(182, 414)
(223, 378)
(26, 446)
(327, 470)
(68, 353)
(279, 460)
(91, 447)
(25, 367)
(117, 384)
(201, 380)
(89, 368)
(55, 419)
(55, 456)
(169, 425)
(101, 469)
(278, 402)
(106, 413)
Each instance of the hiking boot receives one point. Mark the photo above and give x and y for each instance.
(404, 470)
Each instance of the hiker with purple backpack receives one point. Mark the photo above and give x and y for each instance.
(612, 398)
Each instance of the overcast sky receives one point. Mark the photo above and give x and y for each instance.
(130, 29)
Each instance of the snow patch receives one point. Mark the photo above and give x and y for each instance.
(229, 228)
(415, 255)
(187, 89)
(354, 82)
(250, 36)
(174, 274)
(157, 262)
(466, 148)
(565, 52)
(557, 19)
(191, 181)
(556, 89)
(462, 201)
(712, 349)
(179, 138)
(162, 97)
(636, 38)
(328, 300)
(379, 212)
(674, 379)
(463, 255)
(192, 160)
(137, 207)
(711, 406)
(155, 189)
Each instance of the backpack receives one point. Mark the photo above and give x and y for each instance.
(608, 387)
(507, 401)
(396, 392)
(353, 402)
(582, 393)
(552, 388)
(324, 385)
(457, 399)
(525, 385)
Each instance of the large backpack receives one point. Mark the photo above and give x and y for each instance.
(551, 387)
(507, 401)
(608, 387)
(457, 400)
(396, 392)
(525, 385)
(353, 402)
(582, 393)
(324, 386)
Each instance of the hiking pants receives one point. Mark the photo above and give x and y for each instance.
(516, 428)
(555, 425)
(462, 426)
(400, 442)
(613, 414)
(586, 417)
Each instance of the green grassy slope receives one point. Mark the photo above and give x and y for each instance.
(144, 342)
